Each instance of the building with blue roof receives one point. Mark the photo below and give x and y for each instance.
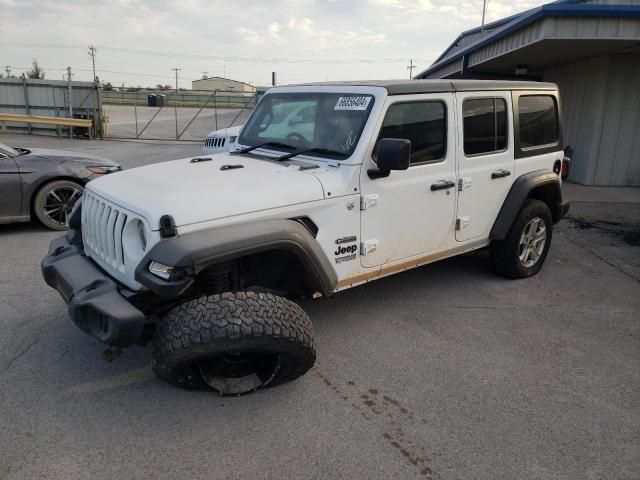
(591, 49)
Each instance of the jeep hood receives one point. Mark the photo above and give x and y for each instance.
(220, 186)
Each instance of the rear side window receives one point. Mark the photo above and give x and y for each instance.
(424, 123)
(538, 117)
(485, 125)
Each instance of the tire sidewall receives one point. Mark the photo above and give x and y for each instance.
(179, 365)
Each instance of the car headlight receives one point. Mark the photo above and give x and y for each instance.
(103, 170)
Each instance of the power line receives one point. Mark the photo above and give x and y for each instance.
(218, 57)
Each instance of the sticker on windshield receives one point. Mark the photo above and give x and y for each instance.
(352, 103)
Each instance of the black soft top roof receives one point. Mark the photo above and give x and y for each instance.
(407, 87)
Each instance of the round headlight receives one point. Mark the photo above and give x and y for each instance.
(135, 237)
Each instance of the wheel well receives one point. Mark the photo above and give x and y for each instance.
(550, 194)
(277, 271)
(35, 193)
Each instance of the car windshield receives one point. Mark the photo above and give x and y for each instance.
(7, 150)
(329, 123)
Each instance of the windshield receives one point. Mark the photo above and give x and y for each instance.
(7, 150)
(331, 123)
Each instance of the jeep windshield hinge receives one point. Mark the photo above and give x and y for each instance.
(368, 201)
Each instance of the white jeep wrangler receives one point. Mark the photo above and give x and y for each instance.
(203, 255)
(220, 141)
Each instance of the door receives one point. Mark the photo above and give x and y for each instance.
(411, 212)
(485, 160)
(10, 187)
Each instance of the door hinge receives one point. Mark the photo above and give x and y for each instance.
(368, 246)
(463, 183)
(462, 222)
(368, 201)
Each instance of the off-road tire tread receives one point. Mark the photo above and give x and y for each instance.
(504, 253)
(214, 323)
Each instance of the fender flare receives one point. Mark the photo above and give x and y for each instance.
(519, 192)
(199, 250)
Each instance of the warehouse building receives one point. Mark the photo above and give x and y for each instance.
(591, 49)
(223, 85)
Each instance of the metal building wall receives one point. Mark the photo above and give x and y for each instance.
(49, 98)
(601, 109)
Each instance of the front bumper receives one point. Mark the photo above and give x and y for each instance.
(95, 303)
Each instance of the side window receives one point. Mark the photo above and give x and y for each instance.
(424, 123)
(538, 117)
(485, 125)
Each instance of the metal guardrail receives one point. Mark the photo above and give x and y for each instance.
(58, 121)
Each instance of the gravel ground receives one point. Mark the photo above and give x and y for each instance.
(443, 372)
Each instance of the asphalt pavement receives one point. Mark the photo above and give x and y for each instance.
(442, 372)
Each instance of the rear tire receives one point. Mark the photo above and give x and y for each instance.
(233, 343)
(524, 250)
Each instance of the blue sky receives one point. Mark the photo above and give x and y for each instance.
(139, 41)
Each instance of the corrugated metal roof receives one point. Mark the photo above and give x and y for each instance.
(473, 40)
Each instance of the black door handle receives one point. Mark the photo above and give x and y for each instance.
(500, 173)
(442, 185)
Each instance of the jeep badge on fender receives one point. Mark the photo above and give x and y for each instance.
(217, 296)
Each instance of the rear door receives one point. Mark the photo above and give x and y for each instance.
(412, 212)
(485, 160)
(10, 186)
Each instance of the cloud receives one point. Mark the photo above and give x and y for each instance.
(333, 37)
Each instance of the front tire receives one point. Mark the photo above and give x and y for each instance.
(524, 250)
(233, 343)
(54, 201)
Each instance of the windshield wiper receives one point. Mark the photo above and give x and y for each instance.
(260, 145)
(326, 151)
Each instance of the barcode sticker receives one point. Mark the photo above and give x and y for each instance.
(352, 103)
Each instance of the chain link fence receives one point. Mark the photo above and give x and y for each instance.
(173, 115)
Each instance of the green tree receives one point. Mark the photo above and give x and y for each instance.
(107, 87)
(36, 71)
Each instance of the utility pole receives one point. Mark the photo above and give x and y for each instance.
(175, 101)
(176, 70)
(205, 75)
(92, 53)
(410, 68)
(7, 68)
(484, 9)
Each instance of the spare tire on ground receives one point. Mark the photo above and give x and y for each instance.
(233, 343)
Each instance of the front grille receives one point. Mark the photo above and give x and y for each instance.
(215, 142)
(102, 227)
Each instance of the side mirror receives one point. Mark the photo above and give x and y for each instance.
(391, 154)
